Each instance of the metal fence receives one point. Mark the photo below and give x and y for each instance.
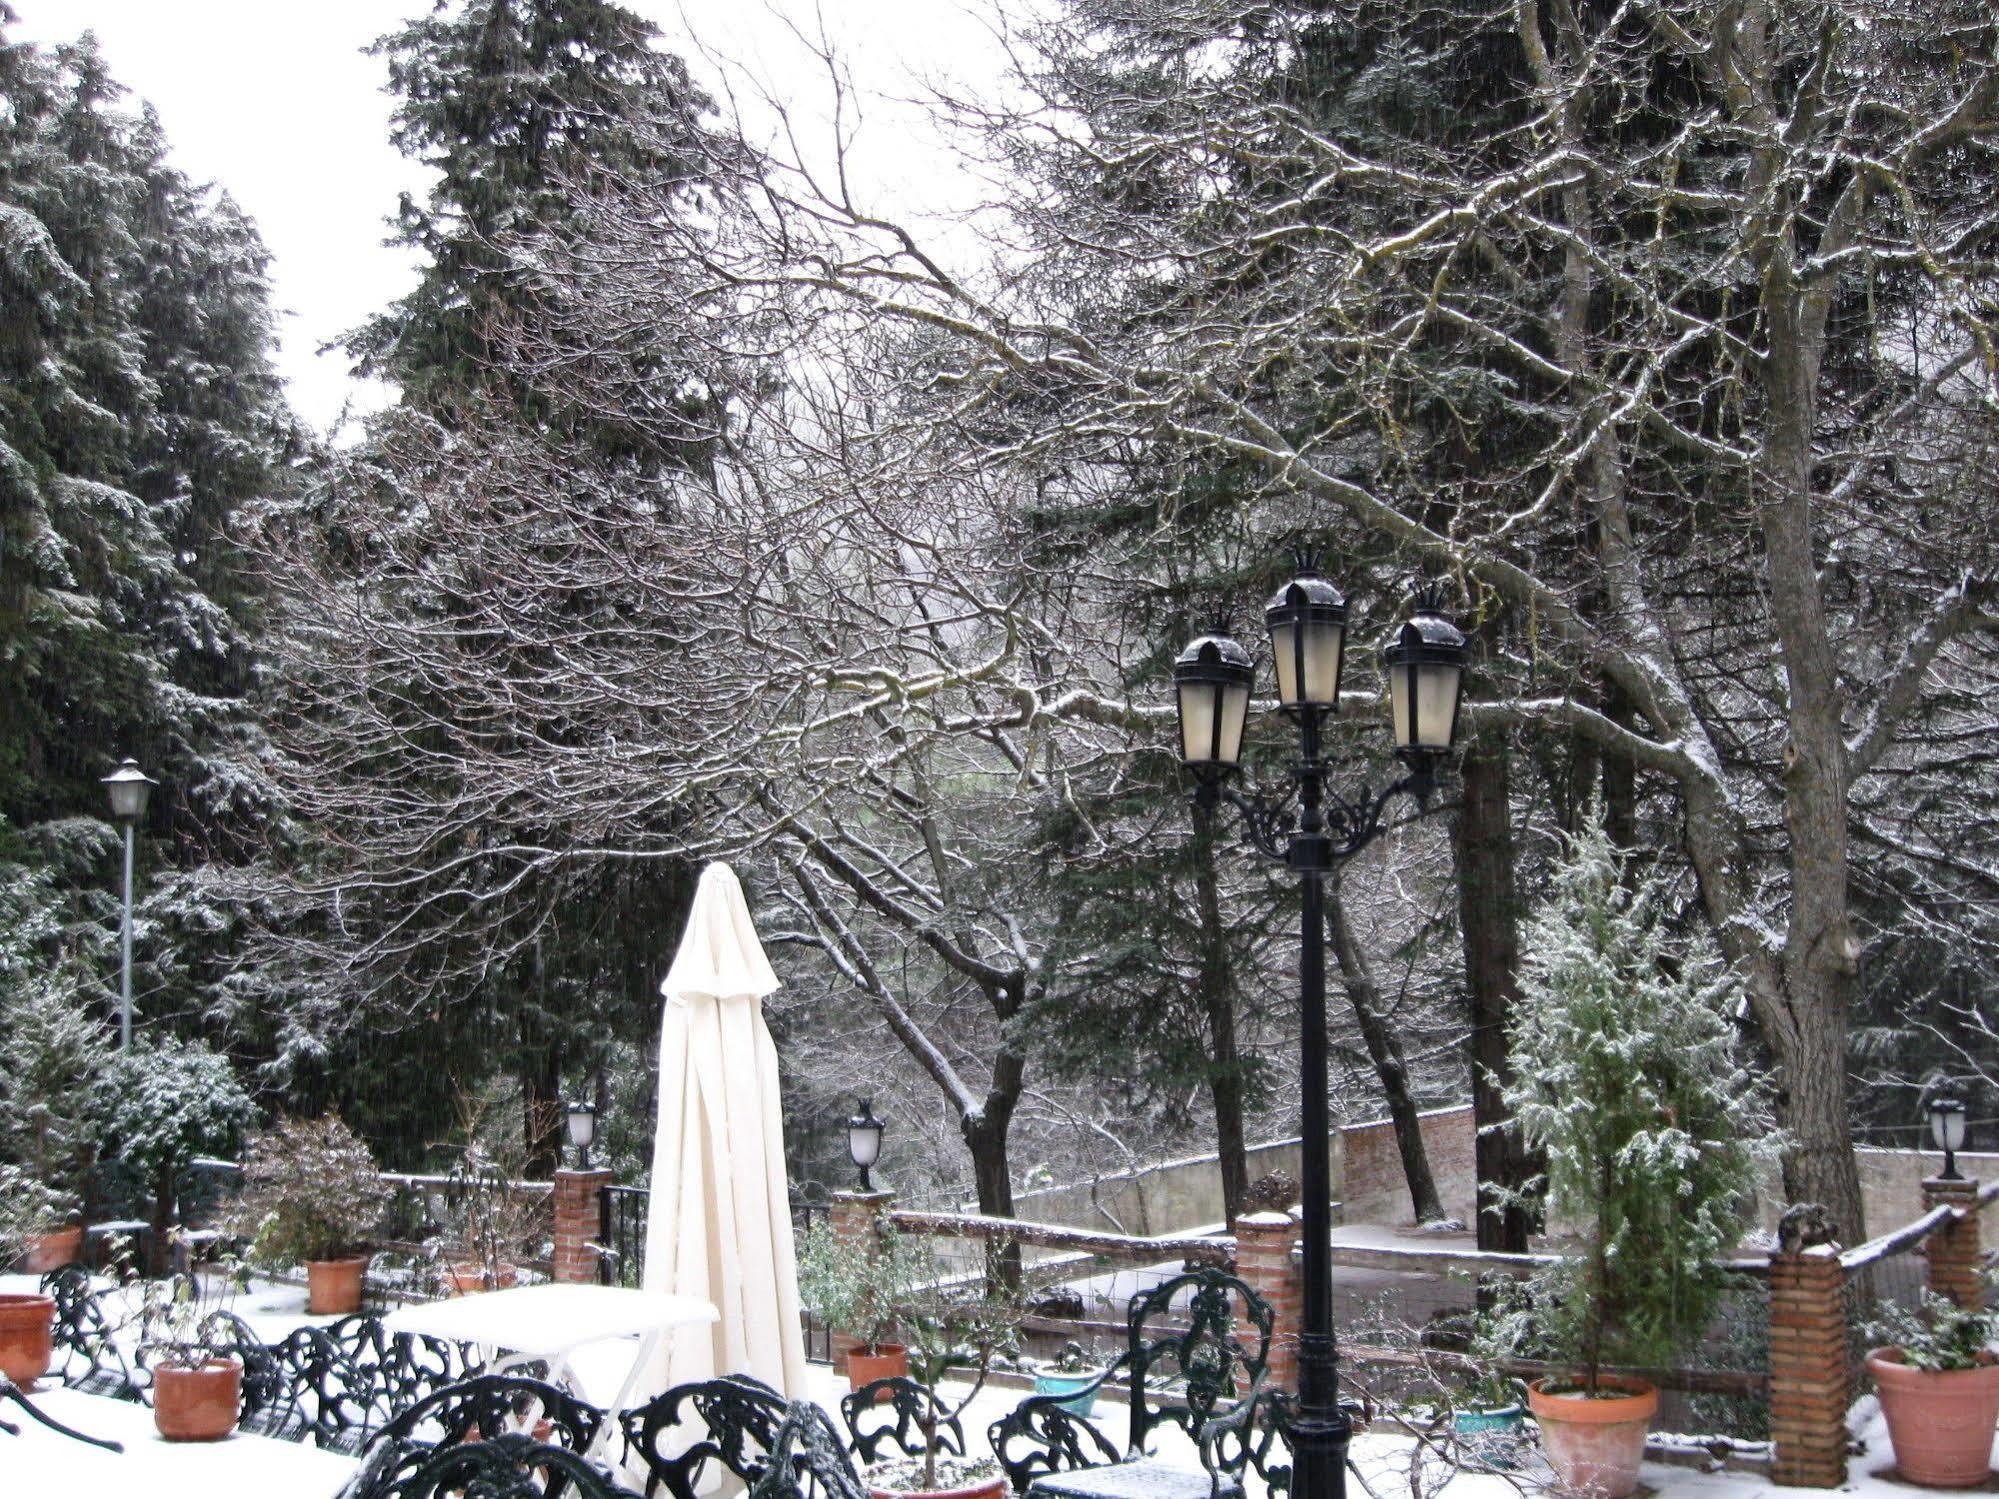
(621, 1247)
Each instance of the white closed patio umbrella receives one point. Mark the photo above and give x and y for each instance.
(719, 1221)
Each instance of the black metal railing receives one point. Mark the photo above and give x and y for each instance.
(621, 1247)
(805, 1212)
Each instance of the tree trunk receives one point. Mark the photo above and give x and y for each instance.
(1384, 1049)
(1488, 915)
(1218, 1008)
(992, 1176)
(542, 1115)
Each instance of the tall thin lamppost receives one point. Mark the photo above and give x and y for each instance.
(130, 789)
(1312, 831)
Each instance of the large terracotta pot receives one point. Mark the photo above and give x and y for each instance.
(887, 1361)
(464, 1277)
(1940, 1425)
(333, 1287)
(1595, 1445)
(200, 1404)
(48, 1252)
(26, 1347)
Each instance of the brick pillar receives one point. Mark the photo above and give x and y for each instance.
(579, 1222)
(855, 1218)
(1264, 1259)
(1956, 1254)
(1808, 1383)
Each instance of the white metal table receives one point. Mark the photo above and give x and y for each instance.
(552, 1321)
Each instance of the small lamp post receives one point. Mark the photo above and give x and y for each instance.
(864, 1141)
(582, 1131)
(1947, 1129)
(130, 789)
(1313, 830)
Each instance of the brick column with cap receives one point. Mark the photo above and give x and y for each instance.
(1266, 1263)
(579, 1223)
(1808, 1382)
(855, 1219)
(1956, 1253)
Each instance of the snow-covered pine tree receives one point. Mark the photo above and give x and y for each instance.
(139, 414)
(1631, 1078)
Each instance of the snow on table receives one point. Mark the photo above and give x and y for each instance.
(40, 1461)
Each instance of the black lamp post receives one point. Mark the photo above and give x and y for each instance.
(1213, 677)
(864, 1141)
(582, 1131)
(1947, 1129)
(130, 788)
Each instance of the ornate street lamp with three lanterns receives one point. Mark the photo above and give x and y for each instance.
(1312, 830)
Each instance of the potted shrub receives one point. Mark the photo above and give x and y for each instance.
(946, 1328)
(54, 1049)
(312, 1195)
(27, 1318)
(857, 1293)
(1630, 1081)
(159, 1105)
(1069, 1371)
(1487, 1406)
(197, 1392)
(1938, 1382)
(491, 1227)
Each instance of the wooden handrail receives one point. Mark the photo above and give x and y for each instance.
(1216, 1251)
(1693, 1381)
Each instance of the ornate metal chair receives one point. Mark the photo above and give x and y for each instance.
(807, 1460)
(88, 1356)
(1204, 1375)
(900, 1411)
(731, 1422)
(480, 1409)
(512, 1466)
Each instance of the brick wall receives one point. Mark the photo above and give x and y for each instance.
(578, 1224)
(1372, 1188)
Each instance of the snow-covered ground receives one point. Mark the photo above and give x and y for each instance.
(1392, 1463)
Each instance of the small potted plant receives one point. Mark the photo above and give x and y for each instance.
(27, 1318)
(946, 1328)
(197, 1392)
(857, 1291)
(491, 1227)
(312, 1195)
(1938, 1381)
(1067, 1372)
(1631, 1082)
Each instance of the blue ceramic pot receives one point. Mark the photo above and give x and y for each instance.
(1491, 1436)
(1062, 1384)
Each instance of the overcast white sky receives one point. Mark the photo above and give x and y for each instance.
(274, 101)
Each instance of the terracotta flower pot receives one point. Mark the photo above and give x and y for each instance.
(200, 1404)
(886, 1361)
(48, 1252)
(1595, 1445)
(333, 1287)
(1940, 1425)
(464, 1277)
(987, 1488)
(26, 1321)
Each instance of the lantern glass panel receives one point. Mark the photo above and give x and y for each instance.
(1323, 642)
(864, 1144)
(582, 1126)
(1947, 1125)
